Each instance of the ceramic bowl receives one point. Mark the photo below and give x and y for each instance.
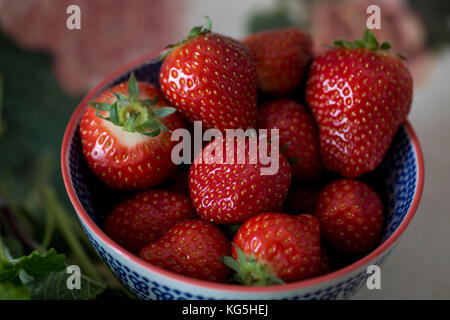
(401, 170)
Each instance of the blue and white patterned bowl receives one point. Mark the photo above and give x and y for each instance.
(402, 171)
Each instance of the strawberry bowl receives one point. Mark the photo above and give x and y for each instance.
(401, 172)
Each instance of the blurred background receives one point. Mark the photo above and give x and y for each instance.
(45, 69)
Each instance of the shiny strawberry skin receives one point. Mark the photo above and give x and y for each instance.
(359, 98)
(281, 58)
(212, 78)
(289, 246)
(127, 160)
(229, 193)
(191, 248)
(146, 216)
(298, 131)
(350, 215)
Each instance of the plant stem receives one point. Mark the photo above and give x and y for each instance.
(64, 225)
(49, 229)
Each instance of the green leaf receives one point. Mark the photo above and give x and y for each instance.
(103, 106)
(195, 31)
(12, 291)
(366, 36)
(133, 87)
(339, 43)
(129, 125)
(35, 265)
(121, 97)
(242, 259)
(359, 43)
(54, 287)
(401, 56)
(231, 263)
(150, 102)
(151, 124)
(114, 114)
(208, 26)
(276, 280)
(163, 112)
(8, 271)
(152, 133)
(284, 148)
(385, 46)
(373, 43)
(293, 160)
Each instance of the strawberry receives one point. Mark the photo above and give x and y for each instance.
(298, 134)
(281, 58)
(191, 248)
(146, 216)
(275, 248)
(211, 78)
(228, 191)
(360, 94)
(124, 136)
(350, 215)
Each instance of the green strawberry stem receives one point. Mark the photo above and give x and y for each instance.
(249, 271)
(195, 32)
(368, 41)
(133, 114)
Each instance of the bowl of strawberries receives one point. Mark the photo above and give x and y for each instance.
(226, 169)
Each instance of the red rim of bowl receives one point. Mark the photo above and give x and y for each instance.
(207, 284)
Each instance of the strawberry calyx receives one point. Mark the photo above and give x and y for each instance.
(134, 114)
(291, 160)
(368, 41)
(195, 32)
(249, 271)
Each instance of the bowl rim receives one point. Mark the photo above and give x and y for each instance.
(83, 215)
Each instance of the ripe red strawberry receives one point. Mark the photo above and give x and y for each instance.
(350, 215)
(275, 246)
(228, 191)
(298, 133)
(124, 136)
(211, 78)
(360, 94)
(145, 217)
(192, 248)
(281, 58)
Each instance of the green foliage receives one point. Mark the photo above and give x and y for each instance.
(276, 18)
(12, 291)
(34, 264)
(54, 287)
(33, 203)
